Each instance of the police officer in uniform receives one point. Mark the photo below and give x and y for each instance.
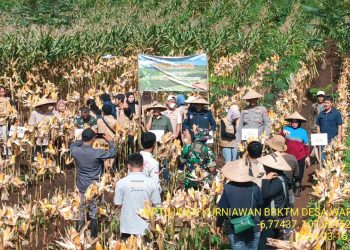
(254, 116)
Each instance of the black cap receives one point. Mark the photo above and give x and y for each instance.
(120, 97)
(88, 134)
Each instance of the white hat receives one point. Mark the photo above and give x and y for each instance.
(170, 97)
(321, 93)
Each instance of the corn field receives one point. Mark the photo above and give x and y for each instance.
(273, 47)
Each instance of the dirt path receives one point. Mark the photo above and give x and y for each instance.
(328, 73)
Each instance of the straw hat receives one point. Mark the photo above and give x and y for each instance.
(295, 116)
(44, 101)
(190, 99)
(275, 161)
(198, 100)
(252, 94)
(277, 143)
(239, 171)
(156, 105)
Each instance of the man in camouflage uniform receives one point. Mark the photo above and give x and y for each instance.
(85, 120)
(317, 108)
(254, 116)
(198, 156)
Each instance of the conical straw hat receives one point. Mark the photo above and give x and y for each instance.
(44, 101)
(239, 171)
(277, 143)
(275, 161)
(295, 116)
(198, 100)
(252, 94)
(156, 105)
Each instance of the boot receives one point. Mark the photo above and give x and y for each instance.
(93, 228)
(79, 225)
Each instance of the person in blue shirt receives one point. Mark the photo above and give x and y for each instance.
(329, 121)
(198, 116)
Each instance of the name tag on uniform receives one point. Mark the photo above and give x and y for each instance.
(319, 139)
(250, 134)
(19, 130)
(158, 133)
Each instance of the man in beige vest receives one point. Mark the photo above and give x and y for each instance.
(106, 125)
(228, 134)
(174, 114)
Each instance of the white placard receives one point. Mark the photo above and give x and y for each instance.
(210, 141)
(158, 133)
(77, 133)
(250, 133)
(20, 131)
(319, 139)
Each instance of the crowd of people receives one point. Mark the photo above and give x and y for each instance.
(263, 177)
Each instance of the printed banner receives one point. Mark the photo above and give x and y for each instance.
(176, 74)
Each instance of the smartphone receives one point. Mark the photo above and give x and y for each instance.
(99, 135)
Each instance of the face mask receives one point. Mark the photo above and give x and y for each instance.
(172, 105)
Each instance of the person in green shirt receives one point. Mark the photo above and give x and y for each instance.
(197, 156)
(157, 121)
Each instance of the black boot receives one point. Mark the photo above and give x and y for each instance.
(93, 228)
(79, 225)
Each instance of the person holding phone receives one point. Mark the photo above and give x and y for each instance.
(89, 162)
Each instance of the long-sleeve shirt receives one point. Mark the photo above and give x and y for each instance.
(89, 162)
(114, 110)
(297, 142)
(203, 119)
(254, 118)
(238, 198)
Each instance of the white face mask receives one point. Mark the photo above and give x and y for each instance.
(172, 105)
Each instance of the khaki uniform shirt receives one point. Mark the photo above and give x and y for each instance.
(102, 127)
(4, 106)
(254, 118)
(42, 121)
(174, 116)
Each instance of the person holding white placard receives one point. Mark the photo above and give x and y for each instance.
(254, 116)
(157, 121)
(5, 107)
(298, 145)
(40, 121)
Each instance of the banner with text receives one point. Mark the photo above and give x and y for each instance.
(177, 74)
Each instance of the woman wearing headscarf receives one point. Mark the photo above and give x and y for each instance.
(240, 194)
(132, 104)
(274, 190)
(228, 134)
(95, 112)
(298, 145)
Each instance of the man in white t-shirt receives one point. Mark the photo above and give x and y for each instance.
(131, 192)
(174, 114)
(150, 165)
